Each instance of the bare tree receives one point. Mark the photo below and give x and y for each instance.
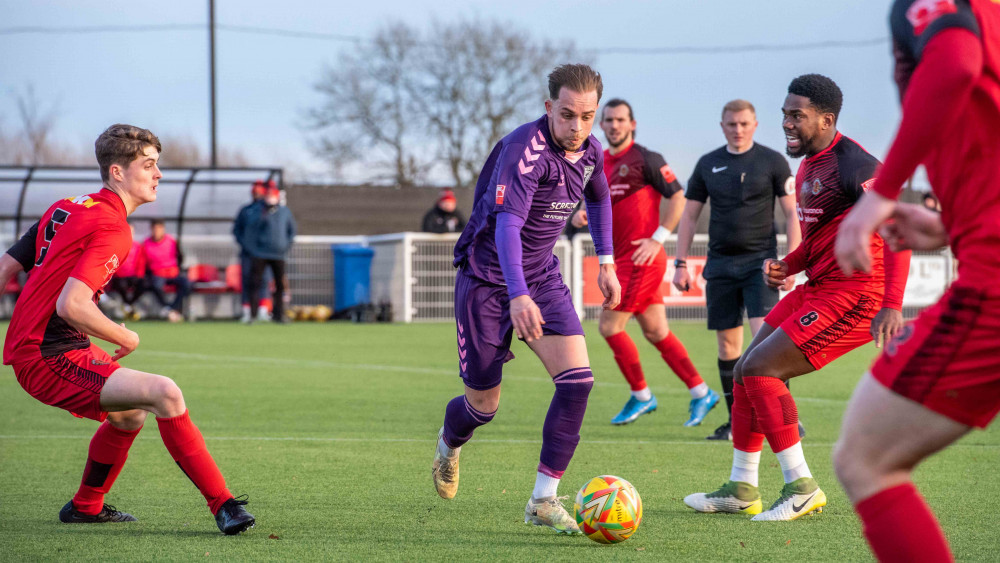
(33, 143)
(183, 151)
(441, 99)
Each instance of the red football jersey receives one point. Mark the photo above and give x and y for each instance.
(637, 178)
(937, 45)
(84, 237)
(827, 185)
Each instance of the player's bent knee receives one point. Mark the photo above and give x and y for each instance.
(756, 366)
(168, 398)
(655, 336)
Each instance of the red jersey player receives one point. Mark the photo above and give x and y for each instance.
(940, 377)
(816, 323)
(638, 178)
(78, 245)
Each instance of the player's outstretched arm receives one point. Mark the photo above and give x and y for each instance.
(685, 235)
(914, 227)
(76, 306)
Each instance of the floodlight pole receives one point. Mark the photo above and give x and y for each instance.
(211, 76)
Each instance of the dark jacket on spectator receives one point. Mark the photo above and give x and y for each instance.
(269, 232)
(438, 221)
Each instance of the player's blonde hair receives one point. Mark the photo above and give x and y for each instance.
(121, 144)
(737, 106)
(577, 77)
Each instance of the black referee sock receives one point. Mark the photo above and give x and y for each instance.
(726, 368)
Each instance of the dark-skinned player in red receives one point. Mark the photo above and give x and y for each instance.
(816, 323)
(940, 376)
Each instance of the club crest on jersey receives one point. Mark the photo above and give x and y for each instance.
(587, 171)
(923, 12)
(867, 185)
(623, 170)
(500, 191)
(816, 186)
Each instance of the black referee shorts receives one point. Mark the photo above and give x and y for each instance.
(736, 284)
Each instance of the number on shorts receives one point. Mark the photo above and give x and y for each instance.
(59, 217)
(809, 318)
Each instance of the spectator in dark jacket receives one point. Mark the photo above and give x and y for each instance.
(268, 238)
(443, 217)
(240, 227)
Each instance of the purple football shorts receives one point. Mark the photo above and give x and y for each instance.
(482, 318)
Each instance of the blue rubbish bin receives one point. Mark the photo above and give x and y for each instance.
(352, 276)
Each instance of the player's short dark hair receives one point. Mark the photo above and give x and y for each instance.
(121, 144)
(577, 77)
(615, 102)
(155, 222)
(823, 93)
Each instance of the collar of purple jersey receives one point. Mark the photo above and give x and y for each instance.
(572, 157)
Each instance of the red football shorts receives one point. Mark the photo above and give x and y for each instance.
(826, 322)
(946, 359)
(71, 381)
(640, 284)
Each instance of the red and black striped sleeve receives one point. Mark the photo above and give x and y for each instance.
(657, 173)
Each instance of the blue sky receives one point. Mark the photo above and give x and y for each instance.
(158, 79)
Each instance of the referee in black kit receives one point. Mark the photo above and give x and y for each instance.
(742, 179)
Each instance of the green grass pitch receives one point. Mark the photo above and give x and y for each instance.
(330, 429)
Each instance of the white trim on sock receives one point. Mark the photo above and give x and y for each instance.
(545, 486)
(793, 463)
(699, 391)
(745, 466)
(643, 394)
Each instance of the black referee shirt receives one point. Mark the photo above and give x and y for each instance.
(743, 188)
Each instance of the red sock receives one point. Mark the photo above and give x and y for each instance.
(676, 356)
(776, 411)
(900, 526)
(108, 452)
(187, 446)
(627, 357)
(747, 436)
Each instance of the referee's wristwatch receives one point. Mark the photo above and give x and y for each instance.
(678, 263)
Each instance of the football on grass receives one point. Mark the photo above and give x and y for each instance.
(608, 509)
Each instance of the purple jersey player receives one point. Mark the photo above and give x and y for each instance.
(509, 281)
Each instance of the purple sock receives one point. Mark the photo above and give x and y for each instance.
(460, 420)
(561, 432)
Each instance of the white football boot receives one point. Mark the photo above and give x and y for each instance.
(734, 497)
(550, 512)
(798, 498)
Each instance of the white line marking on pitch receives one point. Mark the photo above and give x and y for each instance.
(409, 369)
(429, 440)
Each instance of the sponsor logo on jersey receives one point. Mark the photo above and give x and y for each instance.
(562, 179)
(559, 211)
(623, 170)
(867, 184)
(790, 185)
(84, 200)
(667, 173)
(923, 12)
(587, 171)
(719, 169)
(531, 153)
(500, 190)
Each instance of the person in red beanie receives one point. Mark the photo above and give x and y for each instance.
(444, 216)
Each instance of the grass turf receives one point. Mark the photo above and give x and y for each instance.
(330, 430)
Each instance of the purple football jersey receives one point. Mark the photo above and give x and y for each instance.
(528, 175)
